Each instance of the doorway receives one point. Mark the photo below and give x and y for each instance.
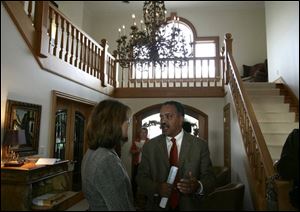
(70, 116)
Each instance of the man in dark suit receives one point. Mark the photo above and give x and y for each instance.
(195, 176)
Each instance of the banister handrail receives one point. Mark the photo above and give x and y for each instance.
(266, 156)
(255, 145)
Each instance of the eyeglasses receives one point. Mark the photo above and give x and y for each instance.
(167, 116)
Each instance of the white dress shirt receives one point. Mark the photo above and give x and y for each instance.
(178, 138)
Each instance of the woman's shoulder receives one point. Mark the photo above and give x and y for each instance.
(101, 154)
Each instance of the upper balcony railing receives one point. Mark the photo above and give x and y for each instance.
(63, 48)
(197, 72)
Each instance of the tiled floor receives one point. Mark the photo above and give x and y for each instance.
(80, 206)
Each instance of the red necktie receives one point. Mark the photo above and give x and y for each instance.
(174, 162)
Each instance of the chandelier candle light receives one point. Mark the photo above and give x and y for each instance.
(155, 42)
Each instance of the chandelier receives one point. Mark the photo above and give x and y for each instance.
(155, 42)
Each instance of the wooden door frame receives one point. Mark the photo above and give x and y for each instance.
(198, 114)
(153, 109)
(55, 95)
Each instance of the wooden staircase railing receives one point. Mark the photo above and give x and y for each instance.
(62, 48)
(259, 158)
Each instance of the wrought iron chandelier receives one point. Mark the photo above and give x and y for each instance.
(155, 42)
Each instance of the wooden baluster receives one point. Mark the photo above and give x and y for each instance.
(62, 37)
(67, 44)
(88, 52)
(29, 9)
(123, 78)
(107, 69)
(103, 70)
(92, 58)
(194, 73)
(50, 29)
(81, 51)
(201, 73)
(228, 49)
(223, 65)
(56, 35)
(85, 54)
(72, 45)
(77, 40)
(98, 62)
(115, 70)
(110, 71)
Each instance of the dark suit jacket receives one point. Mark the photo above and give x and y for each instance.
(154, 169)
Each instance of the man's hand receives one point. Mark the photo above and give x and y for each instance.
(165, 189)
(188, 185)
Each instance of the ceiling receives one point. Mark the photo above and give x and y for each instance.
(98, 7)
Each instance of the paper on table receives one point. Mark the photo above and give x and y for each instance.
(46, 161)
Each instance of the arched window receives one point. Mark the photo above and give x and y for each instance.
(149, 117)
(203, 56)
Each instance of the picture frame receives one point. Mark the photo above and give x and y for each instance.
(24, 116)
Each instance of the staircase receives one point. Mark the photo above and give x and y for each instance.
(273, 115)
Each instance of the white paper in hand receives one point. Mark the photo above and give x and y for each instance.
(170, 180)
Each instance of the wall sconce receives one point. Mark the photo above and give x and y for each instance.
(13, 138)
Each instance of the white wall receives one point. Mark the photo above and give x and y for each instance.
(239, 161)
(247, 25)
(213, 107)
(282, 21)
(22, 79)
(73, 10)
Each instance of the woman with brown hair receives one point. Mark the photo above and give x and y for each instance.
(105, 182)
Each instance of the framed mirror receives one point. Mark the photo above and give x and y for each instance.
(24, 116)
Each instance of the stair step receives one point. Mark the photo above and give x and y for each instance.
(266, 99)
(259, 85)
(275, 151)
(275, 107)
(275, 117)
(275, 138)
(284, 127)
(263, 91)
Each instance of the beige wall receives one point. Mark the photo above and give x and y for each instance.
(73, 10)
(282, 21)
(247, 25)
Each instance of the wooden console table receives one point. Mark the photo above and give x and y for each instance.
(20, 185)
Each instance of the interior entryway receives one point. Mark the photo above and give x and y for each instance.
(70, 116)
